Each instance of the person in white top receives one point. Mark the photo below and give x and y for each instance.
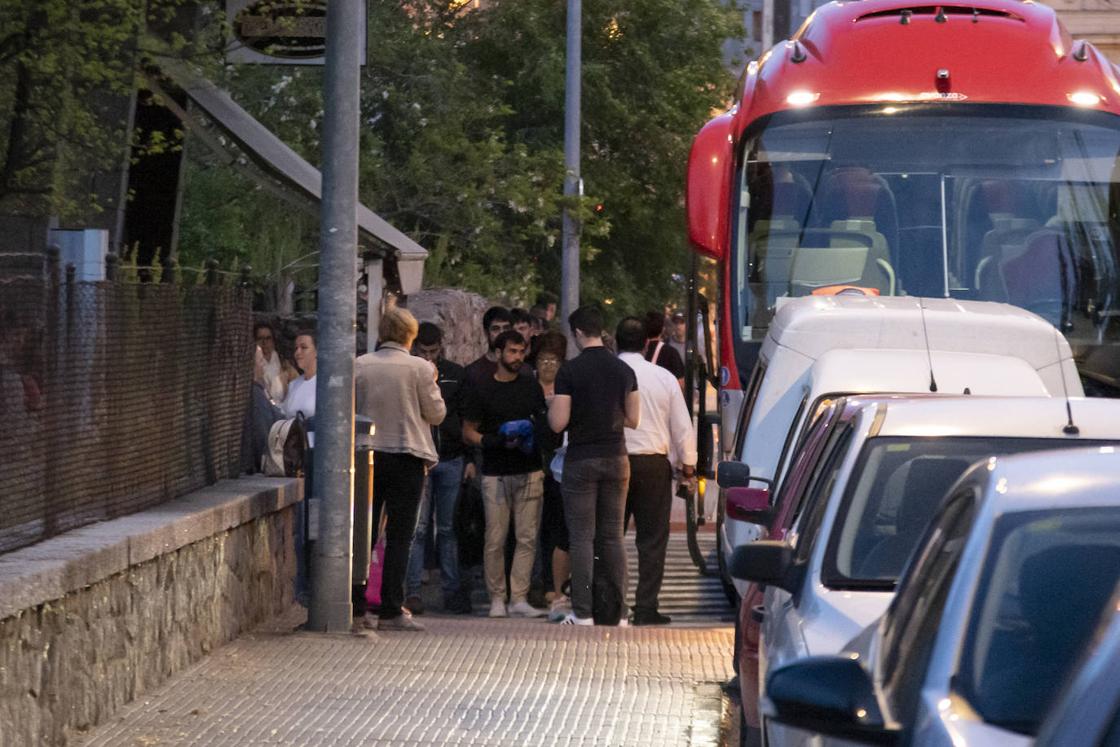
(276, 373)
(664, 432)
(301, 392)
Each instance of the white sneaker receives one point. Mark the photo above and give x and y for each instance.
(623, 622)
(571, 619)
(498, 608)
(524, 609)
(559, 609)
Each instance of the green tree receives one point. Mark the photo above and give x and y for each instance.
(652, 75)
(462, 136)
(67, 70)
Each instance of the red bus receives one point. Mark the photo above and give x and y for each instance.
(964, 150)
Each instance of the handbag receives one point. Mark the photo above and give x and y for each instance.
(286, 444)
(376, 564)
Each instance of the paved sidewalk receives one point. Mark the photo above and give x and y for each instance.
(465, 681)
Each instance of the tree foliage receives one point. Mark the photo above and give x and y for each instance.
(67, 70)
(462, 136)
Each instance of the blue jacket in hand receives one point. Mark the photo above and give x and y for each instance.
(519, 434)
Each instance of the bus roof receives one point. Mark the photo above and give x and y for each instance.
(897, 51)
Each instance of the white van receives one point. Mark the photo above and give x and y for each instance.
(819, 347)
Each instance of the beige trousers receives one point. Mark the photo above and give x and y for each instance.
(516, 497)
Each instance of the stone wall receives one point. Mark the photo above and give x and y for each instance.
(459, 314)
(68, 663)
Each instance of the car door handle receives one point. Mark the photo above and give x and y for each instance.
(758, 612)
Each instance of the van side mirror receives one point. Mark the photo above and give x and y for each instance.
(829, 695)
(708, 188)
(765, 562)
(751, 505)
(733, 475)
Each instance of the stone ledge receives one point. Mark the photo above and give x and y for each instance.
(55, 567)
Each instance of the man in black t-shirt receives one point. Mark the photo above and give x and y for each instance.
(500, 415)
(596, 398)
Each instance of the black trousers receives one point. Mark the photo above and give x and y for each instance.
(398, 481)
(650, 500)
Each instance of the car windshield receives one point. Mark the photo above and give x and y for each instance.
(1044, 585)
(982, 202)
(886, 509)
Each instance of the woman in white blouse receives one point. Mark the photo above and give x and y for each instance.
(301, 391)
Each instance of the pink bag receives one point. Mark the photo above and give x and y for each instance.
(376, 562)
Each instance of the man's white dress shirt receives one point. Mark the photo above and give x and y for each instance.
(665, 427)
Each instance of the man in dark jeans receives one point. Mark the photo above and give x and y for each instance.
(441, 489)
(596, 398)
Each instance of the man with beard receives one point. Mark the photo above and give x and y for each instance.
(501, 416)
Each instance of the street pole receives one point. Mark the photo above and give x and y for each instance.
(569, 267)
(334, 390)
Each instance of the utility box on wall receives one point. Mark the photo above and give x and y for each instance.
(85, 248)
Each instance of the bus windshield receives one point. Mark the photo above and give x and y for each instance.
(1017, 204)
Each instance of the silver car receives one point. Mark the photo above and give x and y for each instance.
(865, 512)
(1001, 597)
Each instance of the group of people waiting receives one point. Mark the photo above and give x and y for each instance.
(565, 452)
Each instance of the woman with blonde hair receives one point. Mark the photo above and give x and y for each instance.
(398, 391)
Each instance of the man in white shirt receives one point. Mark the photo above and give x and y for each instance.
(664, 429)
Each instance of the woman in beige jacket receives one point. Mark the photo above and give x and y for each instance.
(399, 392)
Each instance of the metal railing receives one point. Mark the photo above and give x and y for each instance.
(115, 396)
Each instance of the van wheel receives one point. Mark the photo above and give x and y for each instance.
(724, 576)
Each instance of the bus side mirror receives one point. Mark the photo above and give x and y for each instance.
(708, 188)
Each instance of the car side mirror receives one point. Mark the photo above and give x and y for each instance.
(751, 505)
(765, 562)
(730, 474)
(829, 695)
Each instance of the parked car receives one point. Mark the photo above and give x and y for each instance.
(863, 487)
(1087, 714)
(823, 346)
(1004, 592)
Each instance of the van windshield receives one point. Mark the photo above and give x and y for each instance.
(898, 485)
(982, 202)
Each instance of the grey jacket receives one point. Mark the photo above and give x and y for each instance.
(399, 392)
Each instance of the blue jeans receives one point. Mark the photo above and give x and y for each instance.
(443, 484)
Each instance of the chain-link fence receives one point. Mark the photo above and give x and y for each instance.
(114, 397)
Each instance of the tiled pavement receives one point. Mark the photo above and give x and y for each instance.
(464, 681)
(467, 680)
(686, 596)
